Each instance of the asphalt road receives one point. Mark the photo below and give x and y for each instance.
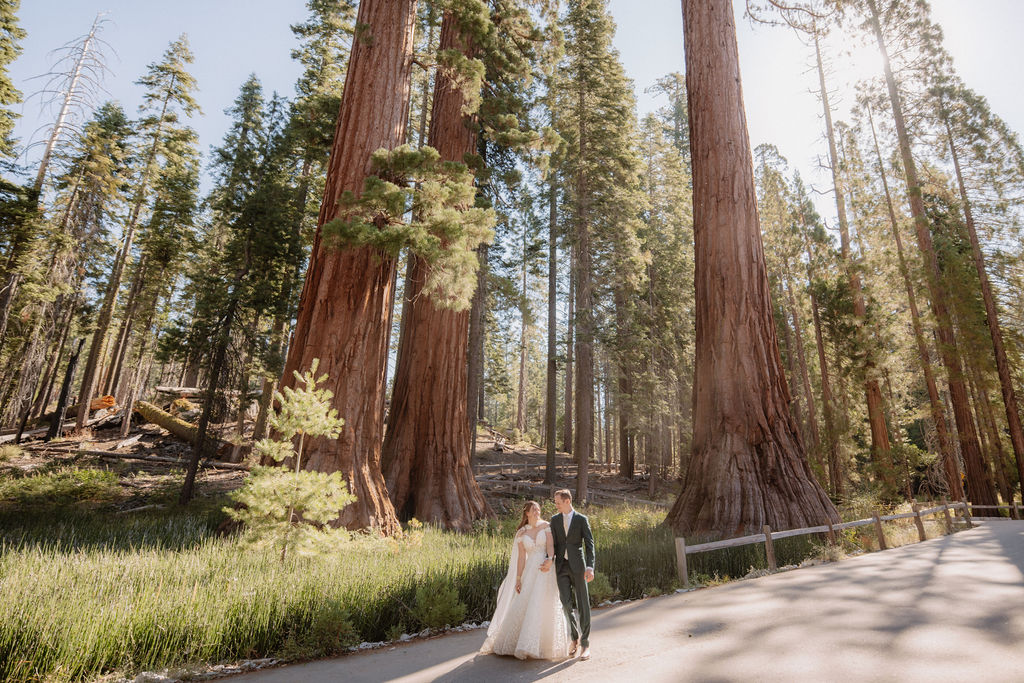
(949, 609)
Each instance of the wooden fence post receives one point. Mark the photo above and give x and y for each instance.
(831, 533)
(918, 522)
(769, 548)
(878, 530)
(949, 520)
(1016, 509)
(967, 512)
(684, 577)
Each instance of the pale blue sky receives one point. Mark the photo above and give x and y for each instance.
(233, 38)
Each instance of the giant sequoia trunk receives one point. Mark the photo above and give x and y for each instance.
(748, 466)
(347, 293)
(979, 484)
(426, 453)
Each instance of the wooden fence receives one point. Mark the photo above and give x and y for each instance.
(768, 537)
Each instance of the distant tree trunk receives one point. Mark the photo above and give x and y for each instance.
(521, 393)
(949, 464)
(550, 403)
(607, 416)
(89, 375)
(624, 402)
(788, 347)
(347, 292)
(426, 453)
(475, 364)
(987, 430)
(812, 412)
(49, 377)
(277, 339)
(584, 441)
(113, 377)
(748, 466)
(979, 485)
(991, 317)
(880, 447)
(567, 445)
(65, 390)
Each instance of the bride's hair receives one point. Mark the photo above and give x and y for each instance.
(526, 516)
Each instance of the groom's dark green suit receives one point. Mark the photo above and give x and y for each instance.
(574, 554)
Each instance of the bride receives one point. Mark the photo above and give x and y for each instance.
(529, 621)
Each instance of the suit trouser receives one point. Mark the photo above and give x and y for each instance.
(570, 583)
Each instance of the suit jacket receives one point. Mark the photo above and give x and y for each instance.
(579, 542)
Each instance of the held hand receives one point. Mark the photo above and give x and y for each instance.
(519, 585)
(589, 575)
(545, 566)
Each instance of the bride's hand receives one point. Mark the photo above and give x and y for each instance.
(519, 585)
(545, 565)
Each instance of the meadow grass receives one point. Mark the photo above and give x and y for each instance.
(85, 591)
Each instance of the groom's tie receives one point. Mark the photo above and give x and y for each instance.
(565, 523)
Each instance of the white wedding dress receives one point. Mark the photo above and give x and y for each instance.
(529, 624)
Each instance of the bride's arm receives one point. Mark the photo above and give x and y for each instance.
(521, 564)
(549, 550)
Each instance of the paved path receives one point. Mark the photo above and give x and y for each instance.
(948, 609)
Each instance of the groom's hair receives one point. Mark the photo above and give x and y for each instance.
(565, 494)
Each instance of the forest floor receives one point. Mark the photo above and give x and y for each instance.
(945, 609)
(150, 463)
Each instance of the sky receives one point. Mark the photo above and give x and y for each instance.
(234, 38)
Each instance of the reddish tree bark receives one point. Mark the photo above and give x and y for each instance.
(426, 453)
(748, 466)
(347, 293)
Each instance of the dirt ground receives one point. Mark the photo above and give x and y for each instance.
(506, 472)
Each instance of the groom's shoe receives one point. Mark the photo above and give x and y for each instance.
(573, 648)
(585, 654)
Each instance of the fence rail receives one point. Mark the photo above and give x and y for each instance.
(768, 537)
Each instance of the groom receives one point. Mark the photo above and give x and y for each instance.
(574, 567)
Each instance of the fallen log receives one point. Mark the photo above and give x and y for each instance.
(100, 403)
(179, 428)
(209, 464)
(200, 392)
(68, 426)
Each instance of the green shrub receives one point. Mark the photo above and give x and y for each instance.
(66, 486)
(438, 605)
(600, 589)
(332, 632)
(395, 632)
(286, 509)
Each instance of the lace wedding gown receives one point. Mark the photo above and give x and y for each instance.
(531, 623)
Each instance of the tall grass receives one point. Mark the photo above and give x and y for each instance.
(84, 593)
